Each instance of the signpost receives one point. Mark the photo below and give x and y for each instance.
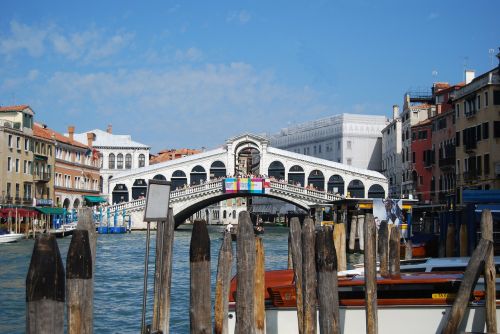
(157, 203)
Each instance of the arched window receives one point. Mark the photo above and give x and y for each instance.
(142, 160)
(111, 161)
(128, 161)
(119, 161)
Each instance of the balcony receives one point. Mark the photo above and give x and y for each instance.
(471, 175)
(28, 200)
(17, 200)
(445, 163)
(41, 177)
(470, 146)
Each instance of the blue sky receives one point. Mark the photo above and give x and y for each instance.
(192, 74)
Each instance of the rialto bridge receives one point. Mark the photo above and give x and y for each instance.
(199, 180)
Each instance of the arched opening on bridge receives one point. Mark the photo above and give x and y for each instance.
(336, 184)
(356, 189)
(217, 170)
(296, 175)
(316, 179)
(376, 191)
(198, 175)
(159, 177)
(179, 179)
(120, 193)
(76, 203)
(276, 170)
(248, 162)
(139, 189)
(66, 203)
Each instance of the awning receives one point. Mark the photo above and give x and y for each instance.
(95, 199)
(21, 212)
(51, 211)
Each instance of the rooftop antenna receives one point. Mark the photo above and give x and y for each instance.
(466, 59)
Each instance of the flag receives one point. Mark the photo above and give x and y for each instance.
(88, 152)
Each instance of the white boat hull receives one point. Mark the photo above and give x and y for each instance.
(391, 319)
(11, 237)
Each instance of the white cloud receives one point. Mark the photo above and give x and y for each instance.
(23, 37)
(242, 17)
(192, 54)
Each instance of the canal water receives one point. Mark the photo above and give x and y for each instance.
(119, 278)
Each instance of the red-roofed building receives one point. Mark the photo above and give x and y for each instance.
(172, 154)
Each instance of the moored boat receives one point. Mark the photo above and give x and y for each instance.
(64, 230)
(9, 236)
(403, 303)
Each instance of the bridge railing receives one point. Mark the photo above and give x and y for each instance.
(304, 191)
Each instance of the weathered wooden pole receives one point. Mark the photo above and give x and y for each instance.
(309, 276)
(222, 285)
(166, 272)
(463, 239)
(259, 288)
(394, 255)
(408, 249)
(79, 284)
(199, 260)
(245, 264)
(86, 222)
(296, 246)
(383, 248)
(328, 295)
(339, 239)
(370, 259)
(290, 261)
(352, 233)
(361, 231)
(450, 240)
(489, 273)
(455, 315)
(45, 288)
(158, 275)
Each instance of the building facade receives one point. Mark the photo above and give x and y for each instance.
(477, 113)
(43, 166)
(76, 170)
(117, 153)
(391, 153)
(422, 159)
(350, 139)
(16, 156)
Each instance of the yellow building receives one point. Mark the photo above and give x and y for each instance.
(16, 156)
(477, 113)
(43, 166)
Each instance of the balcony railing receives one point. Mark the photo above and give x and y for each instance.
(447, 162)
(27, 200)
(471, 175)
(41, 177)
(18, 200)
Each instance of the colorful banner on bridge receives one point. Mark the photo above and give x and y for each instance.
(244, 185)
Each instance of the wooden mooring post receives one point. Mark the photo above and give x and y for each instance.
(245, 264)
(489, 272)
(370, 231)
(222, 285)
(383, 248)
(328, 295)
(309, 276)
(296, 250)
(339, 239)
(352, 233)
(45, 288)
(259, 288)
(166, 274)
(199, 259)
(79, 284)
(394, 251)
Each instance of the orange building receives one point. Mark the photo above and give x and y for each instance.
(172, 154)
(76, 171)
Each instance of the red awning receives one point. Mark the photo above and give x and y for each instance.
(6, 212)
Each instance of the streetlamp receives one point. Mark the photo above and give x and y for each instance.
(156, 209)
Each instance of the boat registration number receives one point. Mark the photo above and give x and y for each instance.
(443, 295)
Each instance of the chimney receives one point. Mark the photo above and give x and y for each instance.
(109, 129)
(469, 76)
(395, 111)
(90, 139)
(71, 131)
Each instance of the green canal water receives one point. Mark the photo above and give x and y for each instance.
(119, 278)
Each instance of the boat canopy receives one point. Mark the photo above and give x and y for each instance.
(51, 211)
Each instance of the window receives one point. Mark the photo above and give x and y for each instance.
(18, 143)
(10, 141)
(485, 130)
(496, 97)
(349, 144)
(314, 149)
(457, 138)
(458, 166)
(17, 190)
(457, 109)
(119, 161)
(25, 167)
(478, 102)
(496, 129)
(111, 161)
(142, 160)
(128, 161)
(26, 144)
(413, 157)
(349, 161)
(478, 132)
(9, 164)
(478, 165)
(486, 102)
(486, 164)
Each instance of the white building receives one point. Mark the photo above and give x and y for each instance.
(119, 153)
(351, 139)
(391, 153)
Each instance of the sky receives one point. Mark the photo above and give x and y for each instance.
(196, 73)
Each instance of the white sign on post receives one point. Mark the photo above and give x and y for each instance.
(157, 200)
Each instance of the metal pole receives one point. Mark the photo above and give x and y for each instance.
(145, 289)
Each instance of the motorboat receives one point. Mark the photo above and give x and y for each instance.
(403, 303)
(64, 230)
(9, 236)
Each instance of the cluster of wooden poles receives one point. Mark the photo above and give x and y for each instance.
(316, 255)
(49, 288)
